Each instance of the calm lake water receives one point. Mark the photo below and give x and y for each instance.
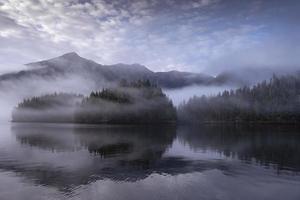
(56, 161)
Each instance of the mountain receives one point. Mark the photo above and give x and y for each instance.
(71, 64)
(72, 69)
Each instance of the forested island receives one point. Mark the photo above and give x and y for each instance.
(139, 102)
(273, 101)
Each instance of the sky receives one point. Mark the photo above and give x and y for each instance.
(188, 35)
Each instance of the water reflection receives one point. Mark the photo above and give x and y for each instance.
(276, 146)
(68, 156)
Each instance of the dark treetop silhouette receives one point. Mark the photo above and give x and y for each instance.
(135, 102)
(275, 101)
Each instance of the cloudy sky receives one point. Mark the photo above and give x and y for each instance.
(191, 35)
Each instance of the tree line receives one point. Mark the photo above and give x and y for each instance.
(276, 100)
(129, 102)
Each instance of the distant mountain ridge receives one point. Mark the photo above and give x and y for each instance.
(72, 64)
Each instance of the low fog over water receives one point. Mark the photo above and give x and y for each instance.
(13, 92)
(183, 94)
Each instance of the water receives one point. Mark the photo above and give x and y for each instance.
(56, 161)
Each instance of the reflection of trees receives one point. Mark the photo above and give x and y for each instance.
(111, 149)
(67, 156)
(46, 137)
(122, 142)
(267, 145)
(128, 144)
(118, 153)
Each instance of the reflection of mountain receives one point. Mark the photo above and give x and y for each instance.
(267, 145)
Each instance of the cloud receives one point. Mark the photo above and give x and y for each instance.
(192, 35)
(98, 29)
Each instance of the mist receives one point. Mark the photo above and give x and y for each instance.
(178, 96)
(13, 92)
(134, 102)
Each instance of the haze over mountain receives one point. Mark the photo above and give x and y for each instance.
(71, 64)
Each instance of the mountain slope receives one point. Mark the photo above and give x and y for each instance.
(72, 64)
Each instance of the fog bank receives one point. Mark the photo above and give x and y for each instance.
(183, 94)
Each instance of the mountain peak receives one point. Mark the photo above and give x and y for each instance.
(70, 55)
(71, 59)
